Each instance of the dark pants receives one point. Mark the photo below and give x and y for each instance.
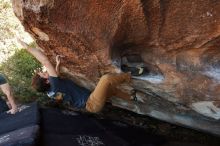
(3, 105)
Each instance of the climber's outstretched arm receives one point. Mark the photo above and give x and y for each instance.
(41, 57)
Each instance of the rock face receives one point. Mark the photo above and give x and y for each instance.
(178, 41)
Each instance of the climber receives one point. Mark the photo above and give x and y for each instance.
(7, 91)
(67, 91)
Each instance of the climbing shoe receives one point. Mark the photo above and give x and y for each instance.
(135, 71)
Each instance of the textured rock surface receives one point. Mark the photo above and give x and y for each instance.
(178, 41)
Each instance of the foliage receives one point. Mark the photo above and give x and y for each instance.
(16, 64)
(19, 69)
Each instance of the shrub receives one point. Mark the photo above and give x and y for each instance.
(19, 69)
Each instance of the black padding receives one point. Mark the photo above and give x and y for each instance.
(27, 117)
(3, 106)
(64, 128)
(135, 136)
(95, 139)
(60, 129)
(22, 137)
(55, 121)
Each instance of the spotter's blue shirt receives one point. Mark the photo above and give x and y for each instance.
(75, 95)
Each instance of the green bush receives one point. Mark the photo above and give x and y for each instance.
(19, 69)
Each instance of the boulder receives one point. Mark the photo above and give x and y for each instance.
(178, 41)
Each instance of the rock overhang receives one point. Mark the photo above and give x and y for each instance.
(178, 41)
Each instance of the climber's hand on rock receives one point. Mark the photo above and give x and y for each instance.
(58, 58)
